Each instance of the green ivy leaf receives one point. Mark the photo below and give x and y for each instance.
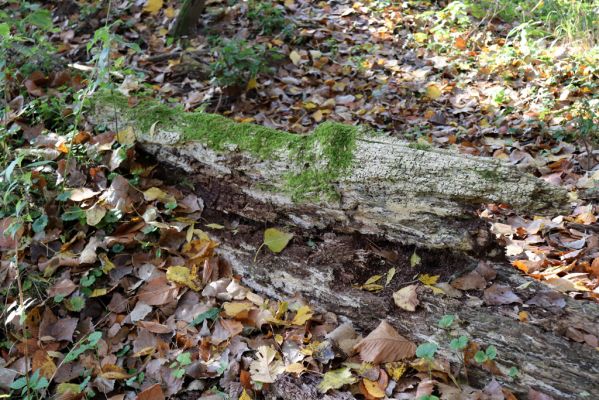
(491, 352)
(459, 343)
(513, 372)
(427, 350)
(480, 357)
(184, 358)
(40, 224)
(446, 321)
(210, 314)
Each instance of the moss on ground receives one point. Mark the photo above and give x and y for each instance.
(318, 159)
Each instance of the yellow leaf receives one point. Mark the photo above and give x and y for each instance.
(373, 388)
(295, 57)
(433, 92)
(396, 370)
(244, 396)
(420, 37)
(335, 379)
(523, 316)
(390, 275)
(428, 279)
(289, 3)
(182, 276)
(414, 260)
(64, 388)
(98, 292)
(153, 6)
(214, 226)
(126, 136)
(169, 12)
(295, 368)
(317, 116)
(234, 309)
(279, 339)
(252, 84)
(107, 265)
(304, 313)
(373, 279)
(276, 240)
(155, 193)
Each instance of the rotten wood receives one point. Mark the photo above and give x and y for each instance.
(427, 197)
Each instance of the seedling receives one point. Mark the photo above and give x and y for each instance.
(178, 367)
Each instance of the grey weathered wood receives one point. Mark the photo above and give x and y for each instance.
(547, 360)
(413, 196)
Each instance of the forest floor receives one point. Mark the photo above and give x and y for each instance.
(110, 278)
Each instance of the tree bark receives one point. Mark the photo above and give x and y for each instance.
(371, 184)
(188, 17)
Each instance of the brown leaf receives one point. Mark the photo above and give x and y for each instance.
(52, 328)
(500, 294)
(534, 395)
(63, 288)
(154, 392)
(158, 292)
(384, 344)
(486, 271)
(471, 281)
(406, 298)
(6, 241)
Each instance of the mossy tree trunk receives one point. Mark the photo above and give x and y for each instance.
(187, 19)
(339, 177)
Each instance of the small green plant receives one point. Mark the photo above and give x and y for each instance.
(238, 62)
(266, 17)
(483, 356)
(30, 386)
(178, 367)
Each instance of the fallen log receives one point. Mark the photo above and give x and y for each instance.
(339, 177)
(361, 196)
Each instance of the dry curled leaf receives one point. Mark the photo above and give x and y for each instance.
(384, 344)
(406, 298)
(500, 294)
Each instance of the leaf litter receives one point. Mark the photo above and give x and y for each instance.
(160, 278)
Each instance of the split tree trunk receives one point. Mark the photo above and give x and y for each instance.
(388, 196)
(188, 17)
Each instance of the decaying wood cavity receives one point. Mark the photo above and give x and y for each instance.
(358, 209)
(340, 177)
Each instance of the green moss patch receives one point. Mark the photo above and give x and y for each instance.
(318, 160)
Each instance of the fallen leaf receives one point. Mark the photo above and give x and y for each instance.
(406, 298)
(384, 344)
(471, 281)
(154, 392)
(535, 395)
(433, 92)
(153, 6)
(295, 57)
(182, 276)
(500, 294)
(276, 240)
(265, 369)
(373, 389)
(336, 379)
(304, 313)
